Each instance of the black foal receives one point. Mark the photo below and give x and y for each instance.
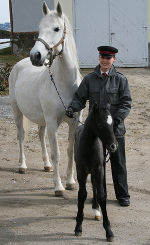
(96, 133)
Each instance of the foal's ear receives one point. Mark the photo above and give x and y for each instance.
(59, 10)
(108, 106)
(95, 107)
(46, 10)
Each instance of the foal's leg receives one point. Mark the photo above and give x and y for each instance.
(70, 171)
(104, 165)
(47, 164)
(101, 197)
(55, 156)
(20, 136)
(95, 205)
(82, 194)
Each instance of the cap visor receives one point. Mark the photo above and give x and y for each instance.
(107, 55)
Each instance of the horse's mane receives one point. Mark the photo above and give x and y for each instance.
(89, 119)
(71, 41)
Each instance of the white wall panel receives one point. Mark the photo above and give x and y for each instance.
(120, 23)
(129, 31)
(27, 14)
(91, 27)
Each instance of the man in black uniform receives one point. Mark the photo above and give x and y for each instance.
(106, 85)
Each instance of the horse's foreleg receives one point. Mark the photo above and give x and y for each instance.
(82, 194)
(20, 136)
(70, 170)
(52, 135)
(101, 197)
(45, 156)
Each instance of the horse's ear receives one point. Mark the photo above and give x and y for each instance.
(59, 10)
(105, 106)
(46, 10)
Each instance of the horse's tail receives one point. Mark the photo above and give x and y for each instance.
(12, 81)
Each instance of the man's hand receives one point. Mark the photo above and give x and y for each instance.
(69, 112)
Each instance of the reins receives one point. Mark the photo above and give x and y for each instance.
(65, 108)
(48, 65)
(105, 157)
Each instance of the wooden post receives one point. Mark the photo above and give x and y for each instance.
(11, 22)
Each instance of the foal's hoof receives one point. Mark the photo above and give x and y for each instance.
(59, 193)
(22, 170)
(48, 169)
(78, 230)
(78, 233)
(98, 218)
(70, 187)
(110, 238)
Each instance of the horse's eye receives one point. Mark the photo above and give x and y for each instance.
(56, 29)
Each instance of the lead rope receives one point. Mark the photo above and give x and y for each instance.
(52, 80)
(105, 158)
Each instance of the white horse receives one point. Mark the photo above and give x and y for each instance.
(34, 95)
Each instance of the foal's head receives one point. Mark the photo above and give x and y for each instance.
(103, 127)
(51, 34)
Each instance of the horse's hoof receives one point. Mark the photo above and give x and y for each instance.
(59, 193)
(110, 239)
(98, 218)
(78, 233)
(22, 170)
(70, 187)
(48, 169)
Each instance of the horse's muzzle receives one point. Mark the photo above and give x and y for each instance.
(36, 59)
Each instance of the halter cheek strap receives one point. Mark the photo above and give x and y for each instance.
(45, 43)
(50, 50)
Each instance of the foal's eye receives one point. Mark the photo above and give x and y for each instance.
(56, 29)
(100, 125)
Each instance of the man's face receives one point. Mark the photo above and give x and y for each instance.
(106, 63)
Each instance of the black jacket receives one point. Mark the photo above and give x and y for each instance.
(113, 89)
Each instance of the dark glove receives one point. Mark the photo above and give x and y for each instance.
(69, 112)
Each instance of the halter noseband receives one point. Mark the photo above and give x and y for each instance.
(50, 50)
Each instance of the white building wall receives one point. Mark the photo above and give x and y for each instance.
(117, 26)
(27, 14)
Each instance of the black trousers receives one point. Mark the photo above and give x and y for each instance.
(119, 171)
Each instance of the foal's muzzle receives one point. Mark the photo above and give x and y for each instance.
(113, 147)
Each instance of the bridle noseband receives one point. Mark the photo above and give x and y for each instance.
(50, 50)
